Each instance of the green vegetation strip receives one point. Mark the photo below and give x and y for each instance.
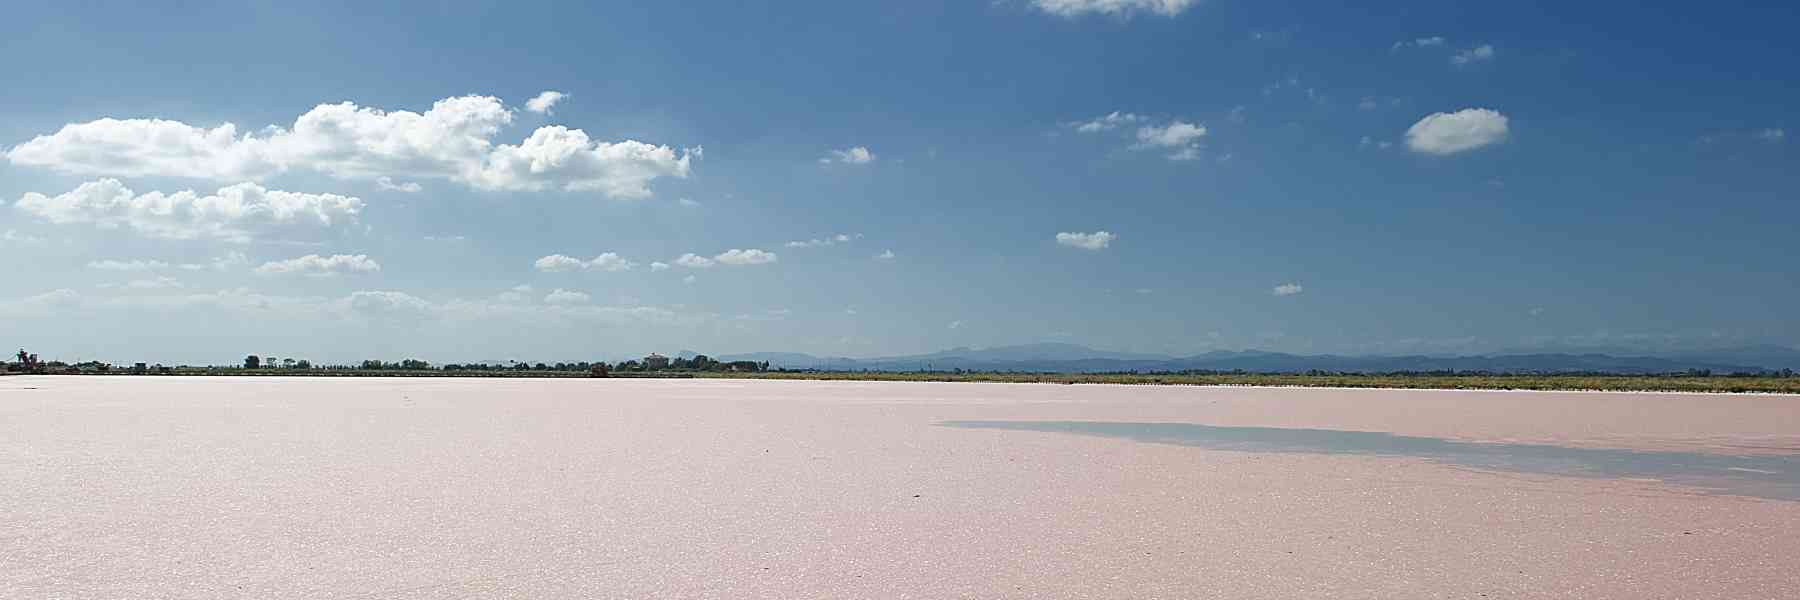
(1767, 384)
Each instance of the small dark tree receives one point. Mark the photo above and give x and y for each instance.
(253, 362)
(599, 370)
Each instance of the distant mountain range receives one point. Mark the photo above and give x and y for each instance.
(1074, 358)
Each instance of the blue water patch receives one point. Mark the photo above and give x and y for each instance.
(1773, 477)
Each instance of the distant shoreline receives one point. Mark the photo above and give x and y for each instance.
(1570, 383)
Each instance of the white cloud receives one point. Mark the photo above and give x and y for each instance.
(231, 260)
(1098, 240)
(1107, 122)
(689, 203)
(1477, 54)
(387, 304)
(885, 255)
(1287, 289)
(320, 266)
(1772, 135)
(12, 237)
(562, 296)
(688, 280)
(834, 240)
(127, 265)
(1177, 134)
(161, 282)
(233, 213)
(557, 263)
(956, 324)
(606, 262)
(1463, 130)
(451, 141)
(1121, 8)
(751, 256)
(610, 263)
(1424, 42)
(1174, 134)
(853, 156)
(659, 266)
(733, 257)
(1188, 153)
(387, 183)
(545, 101)
(694, 261)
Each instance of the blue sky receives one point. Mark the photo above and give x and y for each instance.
(1416, 177)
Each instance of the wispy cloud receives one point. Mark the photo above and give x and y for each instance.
(831, 240)
(1117, 8)
(1482, 53)
(850, 156)
(1106, 122)
(1098, 240)
(565, 297)
(1424, 42)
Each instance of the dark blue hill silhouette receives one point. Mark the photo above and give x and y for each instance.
(1073, 358)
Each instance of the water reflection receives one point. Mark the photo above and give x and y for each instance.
(1775, 477)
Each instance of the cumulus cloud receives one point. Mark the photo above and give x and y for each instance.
(232, 213)
(1174, 134)
(1772, 135)
(1460, 131)
(659, 266)
(565, 297)
(545, 101)
(885, 255)
(1287, 289)
(606, 262)
(1098, 240)
(1477, 54)
(751, 256)
(387, 183)
(320, 266)
(1120, 8)
(1182, 136)
(852, 156)
(451, 141)
(694, 261)
(833, 240)
(127, 265)
(734, 257)
(1107, 122)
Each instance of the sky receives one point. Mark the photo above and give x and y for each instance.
(461, 181)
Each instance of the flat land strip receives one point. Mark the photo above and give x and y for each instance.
(270, 487)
